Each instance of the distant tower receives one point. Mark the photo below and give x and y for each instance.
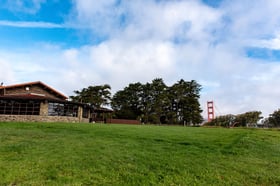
(210, 110)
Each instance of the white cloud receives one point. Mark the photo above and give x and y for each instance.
(270, 43)
(147, 19)
(30, 7)
(6, 72)
(251, 23)
(101, 17)
(167, 39)
(30, 24)
(123, 63)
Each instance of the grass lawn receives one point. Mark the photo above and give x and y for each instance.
(95, 154)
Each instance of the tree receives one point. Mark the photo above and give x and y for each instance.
(157, 103)
(127, 103)
(185, 107)
(97, 96)
(242, 120)
(274, 119)
(248, 119)
(222, 121)
(138, 101)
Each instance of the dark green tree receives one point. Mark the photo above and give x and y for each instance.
(222, 121)
(146, 103)
(185, 107)
(97, 96)
(157, 101)
(248, 119)
(274, 119)
(127, 103)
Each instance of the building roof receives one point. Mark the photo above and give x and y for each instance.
(28, 96)
(52, 90)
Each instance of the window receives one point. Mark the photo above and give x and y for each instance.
(86, 112)
(62, 109)
(22, 107)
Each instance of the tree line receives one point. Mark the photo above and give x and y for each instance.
(247, 119)
(155, 102)
(152, 102)
(242, 120)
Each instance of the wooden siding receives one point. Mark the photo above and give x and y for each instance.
(35, 89)
(124, 121)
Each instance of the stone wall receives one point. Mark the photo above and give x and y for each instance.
(33, 118)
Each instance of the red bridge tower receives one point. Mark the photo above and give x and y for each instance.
(210, 110)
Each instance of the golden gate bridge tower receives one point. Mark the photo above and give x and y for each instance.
(210, 110)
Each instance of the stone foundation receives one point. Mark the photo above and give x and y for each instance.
(33, 118)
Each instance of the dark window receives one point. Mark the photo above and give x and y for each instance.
(86, 112)
(62, 109)
(22, 107)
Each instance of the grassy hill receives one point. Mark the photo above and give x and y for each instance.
(95, 154)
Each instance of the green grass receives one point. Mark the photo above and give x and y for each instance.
(95, 154)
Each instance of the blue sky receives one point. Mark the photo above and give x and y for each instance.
(232, 48)
(15, 16)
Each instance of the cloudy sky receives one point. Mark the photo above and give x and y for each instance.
(232, 48)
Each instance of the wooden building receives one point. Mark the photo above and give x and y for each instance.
(36, 101)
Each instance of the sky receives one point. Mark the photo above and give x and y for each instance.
(231, 48)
